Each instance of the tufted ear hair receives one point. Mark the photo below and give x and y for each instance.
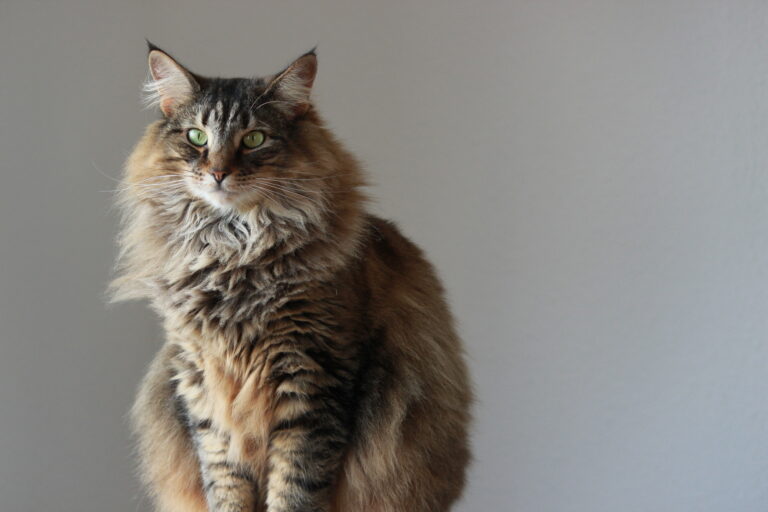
(170, 84)
(292, 86)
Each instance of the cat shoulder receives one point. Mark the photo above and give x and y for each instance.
(392, 257)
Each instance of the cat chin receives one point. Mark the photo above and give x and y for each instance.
(226, 202)
(220, 199)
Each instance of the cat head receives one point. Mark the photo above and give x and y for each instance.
(235, 170)
(237, 143)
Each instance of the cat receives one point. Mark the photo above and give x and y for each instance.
(311, 362)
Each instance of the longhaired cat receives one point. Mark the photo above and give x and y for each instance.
(310, 362)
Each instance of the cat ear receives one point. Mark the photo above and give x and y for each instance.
(293, 85)
(170, 84)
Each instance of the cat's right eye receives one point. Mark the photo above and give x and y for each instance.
(197, 137)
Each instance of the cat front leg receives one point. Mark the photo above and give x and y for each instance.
(308, 437)
(227, 488)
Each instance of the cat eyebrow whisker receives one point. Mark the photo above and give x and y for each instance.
(265, 103)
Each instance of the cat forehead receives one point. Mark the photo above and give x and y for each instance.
(223, 102)
(220, 88)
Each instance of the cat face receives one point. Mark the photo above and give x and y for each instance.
(236, 143)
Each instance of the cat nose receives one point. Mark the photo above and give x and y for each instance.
(219, 175)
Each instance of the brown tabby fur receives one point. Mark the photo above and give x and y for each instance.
(295, 285)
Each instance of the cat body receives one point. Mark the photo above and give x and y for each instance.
(310, 361)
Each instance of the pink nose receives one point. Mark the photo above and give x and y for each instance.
(219, 175)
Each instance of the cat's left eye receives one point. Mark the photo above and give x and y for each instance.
(254, 139)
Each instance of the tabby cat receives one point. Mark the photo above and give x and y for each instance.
(310, 362)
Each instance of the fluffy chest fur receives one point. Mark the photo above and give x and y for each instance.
(243, 330)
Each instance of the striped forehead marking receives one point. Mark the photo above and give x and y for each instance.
(226, 111)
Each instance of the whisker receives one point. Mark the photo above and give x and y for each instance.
(144, 186)
(104, 174)
(149, 180)
(282, 190)
(267, 103)
(156, 190)
(313, 174)
(292, 186)
(285, 178)
(270, 195)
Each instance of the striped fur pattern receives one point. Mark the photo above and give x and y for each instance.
(311, 362)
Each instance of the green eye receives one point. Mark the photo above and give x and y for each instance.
(253, 139)
(197, 137)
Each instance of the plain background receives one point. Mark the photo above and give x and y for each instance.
(589, 178)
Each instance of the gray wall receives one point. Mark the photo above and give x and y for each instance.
(589, 177)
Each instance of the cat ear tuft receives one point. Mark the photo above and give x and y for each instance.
(293, 85)
(151, 46)
(169, 84)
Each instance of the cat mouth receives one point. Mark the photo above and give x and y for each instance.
(219, 196)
